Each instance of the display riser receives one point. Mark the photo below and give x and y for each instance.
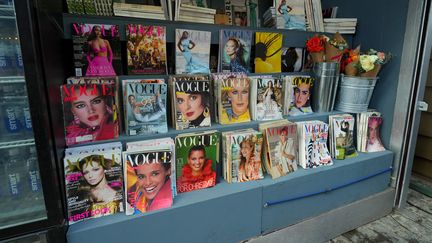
(235, 212)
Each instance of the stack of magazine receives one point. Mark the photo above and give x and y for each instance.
(280, 151)
(141, 11)
(242, 151)
(190, 11)
(90, 7)
(368, 132)
(313, 151)
(341, 129)
(94, 181)
(150, 176)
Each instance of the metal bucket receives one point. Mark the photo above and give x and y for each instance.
(355, 93)
(325, 86)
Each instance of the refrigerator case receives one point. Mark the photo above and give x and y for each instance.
(29, 190)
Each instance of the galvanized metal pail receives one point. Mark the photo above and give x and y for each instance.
(324, 86)
(355, 93)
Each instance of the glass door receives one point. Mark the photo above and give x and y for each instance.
(22, 198)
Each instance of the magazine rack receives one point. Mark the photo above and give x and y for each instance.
(239, 211)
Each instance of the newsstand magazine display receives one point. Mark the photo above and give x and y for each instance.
(233, 100)
(267, 99)
(235, 51)
(148, 172)
(146, 49)
(90, 112)
(282, 149)
(197, 157)
(96, 49)
(192, 51)
(94, 183)
(190, 98)
(145, 107)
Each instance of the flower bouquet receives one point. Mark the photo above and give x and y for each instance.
(370, 63)
(315, 46)
(350, 61)
(334, 48)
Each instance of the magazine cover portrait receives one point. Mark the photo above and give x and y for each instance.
(235, 96)
(148, 181)
(96, 49)
(146, 49)
(374, 143)
(291, 14)
(269, 99)
(196, 158)
(292, 59)
(246, 157)
(300, 96)
(94, 184)
(192, 51)
(235, 49)
(90, 112)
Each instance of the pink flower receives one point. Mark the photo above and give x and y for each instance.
(381, 56)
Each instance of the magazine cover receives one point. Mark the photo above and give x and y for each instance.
(94, 183)
(147, 180)
(146, 49)
(374, 143)
(282, 147)
(192, 101)
(90, 112)
(292, 59)
(235, 50)
(96, 49)
(268, 48)
(269, 99)
(343, 132)
(246, 157)
(196, 161)
(192, 51)
(315, 135)
(252, 13)
(298, 92)
(240, 17)
(290, 14)
(145, 108)
(234, 97)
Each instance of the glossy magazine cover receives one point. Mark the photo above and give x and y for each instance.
(96, 49)
(234, 100)
(246, 162)
(298, 90)
(290, 14)
(269, 99)
(94, 181)
(283, 152)
(147, 180)
(146, 49)
(145, 107)
(192, 51)
(196, 161)
(235, 51)
(90, 112)
(268, 48)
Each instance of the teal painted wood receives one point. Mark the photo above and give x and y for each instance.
(224, 213)
(308, 181)
(291, 38)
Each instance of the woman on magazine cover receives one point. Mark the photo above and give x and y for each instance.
(301, 104)
(94, 184)
(185, 45)
(269, 96)
(100, 49)
(250, 164)
(374, 143)
(153, 187)
(238, 97)
(235, 50)
(194, 108)
(140, 116)
(290, 21)
(197, 171)
(285, 151)
(92, 115)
